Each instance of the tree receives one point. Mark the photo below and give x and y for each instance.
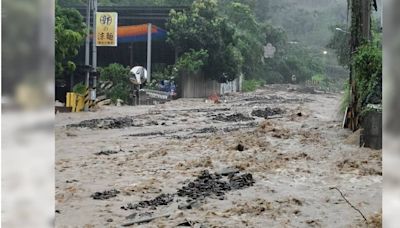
(289, 59)
(69, 36)
(201, 28)
(118, 75)
(248, 36)
(340, 42)
(130, 2)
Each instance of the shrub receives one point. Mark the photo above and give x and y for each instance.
(367, 63)
(251, 85)
(79, 89)
(119, 76)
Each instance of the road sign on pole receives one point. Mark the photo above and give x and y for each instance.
(269, 51)
(87, 46)
(149, 30)
(106, 29)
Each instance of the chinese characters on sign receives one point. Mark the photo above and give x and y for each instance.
(106, 29)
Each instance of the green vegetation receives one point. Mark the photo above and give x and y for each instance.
(251, 85)
(191, 61)
(119, 76)
(80, 89)
(345, 101)
(340, 43)
(367, 63)
(202, 29)
(249, 37)
(233, 40)
(225, 38)
(69, 36)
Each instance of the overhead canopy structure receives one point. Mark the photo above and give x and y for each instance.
(138, 33)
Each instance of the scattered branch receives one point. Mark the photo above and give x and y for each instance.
(350, 203)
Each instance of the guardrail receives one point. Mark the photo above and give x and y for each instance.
(157, 94)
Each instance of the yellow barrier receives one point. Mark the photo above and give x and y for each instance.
(80, 104)
(75, 101)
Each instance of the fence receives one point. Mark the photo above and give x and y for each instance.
(198, 86)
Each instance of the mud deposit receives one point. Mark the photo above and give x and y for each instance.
(194, 163)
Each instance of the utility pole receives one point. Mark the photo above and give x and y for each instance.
(94, 51)
(360, 31)
(87, 48)
(149, 52)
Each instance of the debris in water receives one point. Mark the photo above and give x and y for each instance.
(105, 195)
(212, 184)
(237, 117)
(265, 113)
(187, 223)
(206, 130)
(145, 220)
(131, 216)
(203, 186)
(240, 147)
(228, 171)
(112, 123)
(108, 152)
(163, 199)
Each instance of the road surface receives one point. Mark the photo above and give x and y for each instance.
(297, 154)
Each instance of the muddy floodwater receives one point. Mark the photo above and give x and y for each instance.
(271, 158)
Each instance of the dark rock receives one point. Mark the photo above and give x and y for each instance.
(105, 195)
(110, 220)
(299, 114)
(71, 181)
(240, 147)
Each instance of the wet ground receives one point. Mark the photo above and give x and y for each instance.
(269, 158)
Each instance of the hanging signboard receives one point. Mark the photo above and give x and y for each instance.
(106, 29)
(269, 51)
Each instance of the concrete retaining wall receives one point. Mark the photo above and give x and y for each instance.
(198, 86)
(371, 135)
